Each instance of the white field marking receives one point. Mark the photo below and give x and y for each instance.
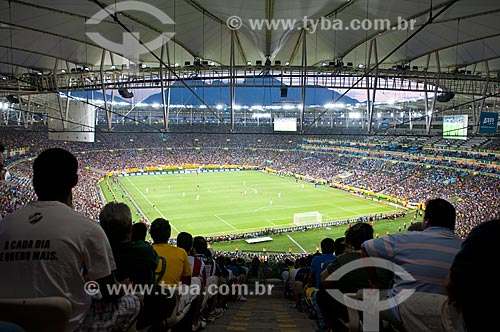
(285, 207)
(358, 212)
(154, 207)
(269, 221)
(298, 245)
(225, 222)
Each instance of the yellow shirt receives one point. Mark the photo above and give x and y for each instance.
(177, 264)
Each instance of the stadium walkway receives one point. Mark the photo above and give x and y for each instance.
(263, 313)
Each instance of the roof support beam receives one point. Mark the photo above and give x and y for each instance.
(303, 80)
(269, 33)
(370, 101)
(477, 114)
(429, 113)
(232, 80)
(109, 116)
(165, 100)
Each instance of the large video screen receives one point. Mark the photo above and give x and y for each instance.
(455, 126)
(285, 124)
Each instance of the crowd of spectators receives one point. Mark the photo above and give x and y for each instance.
(411, 178)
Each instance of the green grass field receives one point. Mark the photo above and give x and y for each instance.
(235, 202)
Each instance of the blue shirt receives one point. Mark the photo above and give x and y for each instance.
(427, 256)
(318, 264)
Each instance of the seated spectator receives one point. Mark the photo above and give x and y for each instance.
(339, 245)
(427, 256)
(334, 312)
(179, 270)
(200, 250)
(198, 277)
(61, 250)
(139, 231)
(472, 279)
(136, 262)
(318, 264)
(300, 281)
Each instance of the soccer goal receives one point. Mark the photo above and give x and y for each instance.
(307, 218)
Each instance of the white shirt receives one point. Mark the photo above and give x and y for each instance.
(45, 249)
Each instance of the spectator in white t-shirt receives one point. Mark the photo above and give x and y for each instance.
(50, 250)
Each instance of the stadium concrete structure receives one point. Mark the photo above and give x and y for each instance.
(47, 50)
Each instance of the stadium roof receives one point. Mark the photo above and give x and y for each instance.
(33, 34)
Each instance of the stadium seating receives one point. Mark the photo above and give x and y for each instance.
(43, 314)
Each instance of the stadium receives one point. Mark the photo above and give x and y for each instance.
(261, 128)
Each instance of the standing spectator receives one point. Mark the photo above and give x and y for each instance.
(472, 280)
(427, 255)
(61, 250)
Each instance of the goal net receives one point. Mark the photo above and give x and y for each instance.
(307, 218)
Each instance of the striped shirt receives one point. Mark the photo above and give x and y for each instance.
(427, 256)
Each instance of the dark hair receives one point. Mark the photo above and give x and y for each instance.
(55, 173)
(358, 233)
(185, 241)
(440, 212)
(160, 230)
(339, 245)
(2, 148)
(139, 231)
(200, 245)
(116, 221)
(327, 246)
(416, 227)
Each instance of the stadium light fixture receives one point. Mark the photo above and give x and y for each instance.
(219, 107)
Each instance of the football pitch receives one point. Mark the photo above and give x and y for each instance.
(239, 202)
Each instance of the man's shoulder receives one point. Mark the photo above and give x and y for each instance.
(347, 257)
(52, 212)
(167, 248)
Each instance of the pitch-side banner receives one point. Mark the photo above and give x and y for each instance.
(488, 123)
